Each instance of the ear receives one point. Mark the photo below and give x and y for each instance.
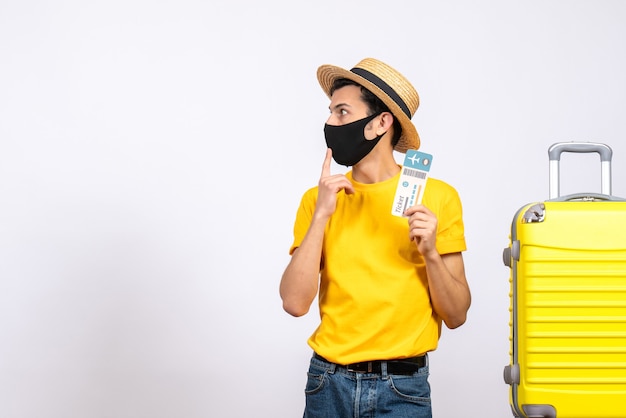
(385, 123)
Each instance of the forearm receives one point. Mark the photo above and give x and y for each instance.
(449, 291)
(300, 281)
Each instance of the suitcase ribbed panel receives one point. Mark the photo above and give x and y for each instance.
(571, 309)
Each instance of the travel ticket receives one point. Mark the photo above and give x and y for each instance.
(412, 182)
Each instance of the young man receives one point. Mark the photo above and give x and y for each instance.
(385, 283)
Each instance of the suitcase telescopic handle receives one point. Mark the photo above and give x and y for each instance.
(555, 151)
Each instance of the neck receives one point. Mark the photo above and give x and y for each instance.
(379, 165)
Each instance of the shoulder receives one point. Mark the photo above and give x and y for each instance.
(440, 187)
(441, 197)
(309, 198)
(311, 193)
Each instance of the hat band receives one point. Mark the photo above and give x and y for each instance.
(378, 82)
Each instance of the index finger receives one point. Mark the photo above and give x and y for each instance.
(413, 209)
(326, 165)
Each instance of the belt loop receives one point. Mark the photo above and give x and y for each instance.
(383, 369)
(332, 367)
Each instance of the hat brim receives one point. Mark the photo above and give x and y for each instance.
(327, 74)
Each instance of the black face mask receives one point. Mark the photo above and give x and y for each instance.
(348, 141)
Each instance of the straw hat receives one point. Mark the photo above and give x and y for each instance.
(388, 85)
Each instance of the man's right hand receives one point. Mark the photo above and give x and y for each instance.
(329, 186)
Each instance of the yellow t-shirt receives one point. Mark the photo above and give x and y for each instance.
(373, 300)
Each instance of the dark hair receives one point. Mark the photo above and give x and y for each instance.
(374, 104)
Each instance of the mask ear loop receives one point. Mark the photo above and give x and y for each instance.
(371, 119)
(391, 125)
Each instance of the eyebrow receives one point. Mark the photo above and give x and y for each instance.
(338, 105)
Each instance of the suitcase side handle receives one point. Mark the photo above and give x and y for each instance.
(588, 197)
(555, 151)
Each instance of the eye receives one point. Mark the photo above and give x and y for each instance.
(343, 112)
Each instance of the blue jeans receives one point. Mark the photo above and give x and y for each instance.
(334, 392)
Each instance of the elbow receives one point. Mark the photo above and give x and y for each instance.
(458, 315)
(295, 309)
(456, 320)
(453, 323)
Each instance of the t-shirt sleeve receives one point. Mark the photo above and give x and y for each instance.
(450, 230)
(304, 215)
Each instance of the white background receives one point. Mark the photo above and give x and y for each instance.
(153, 154)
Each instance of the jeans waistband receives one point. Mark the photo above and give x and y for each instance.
(405, 366)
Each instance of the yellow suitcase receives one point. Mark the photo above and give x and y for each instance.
(567, 258)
